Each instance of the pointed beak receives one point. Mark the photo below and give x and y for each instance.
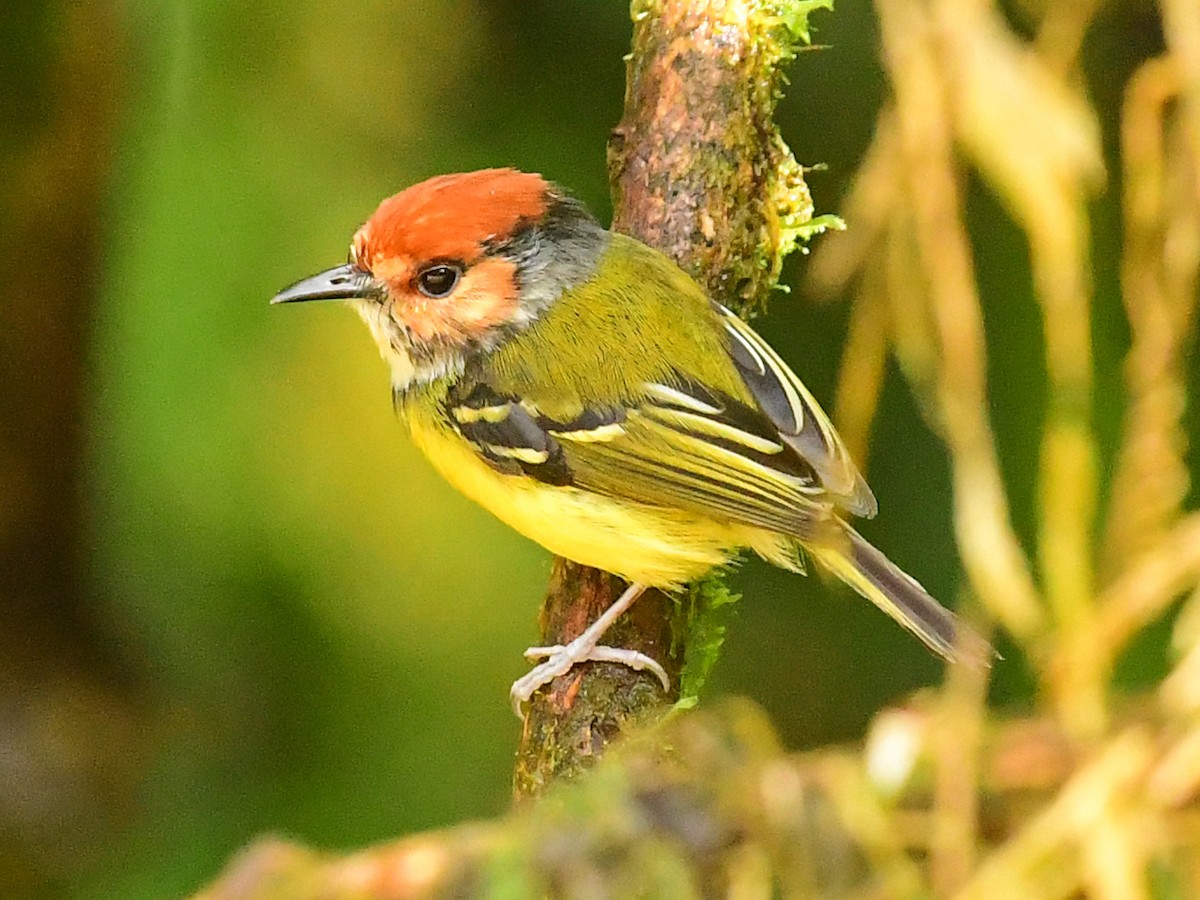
(346, 282)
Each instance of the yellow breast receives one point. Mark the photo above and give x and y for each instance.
(657, 546)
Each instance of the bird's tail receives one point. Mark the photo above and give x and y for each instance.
(898, 594)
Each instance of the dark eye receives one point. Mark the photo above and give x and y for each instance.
(438, 281)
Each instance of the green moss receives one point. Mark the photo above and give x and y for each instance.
(703, 611)
(786, 207)
(794, 16)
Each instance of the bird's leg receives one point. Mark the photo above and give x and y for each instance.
(585, 648)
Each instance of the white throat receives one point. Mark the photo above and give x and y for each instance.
(393, 347)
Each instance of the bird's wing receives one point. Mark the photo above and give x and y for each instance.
(795, 413)
(677, 443)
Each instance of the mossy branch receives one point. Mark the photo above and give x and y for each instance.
(699, 171)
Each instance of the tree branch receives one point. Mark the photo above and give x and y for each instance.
(699, 171)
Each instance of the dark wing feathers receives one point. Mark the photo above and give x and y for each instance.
(800, 421)
(506, 434)
(589, 423)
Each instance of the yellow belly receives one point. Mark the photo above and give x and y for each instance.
(661, 547)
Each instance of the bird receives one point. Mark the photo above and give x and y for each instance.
(584, 389)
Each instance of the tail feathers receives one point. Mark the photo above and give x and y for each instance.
(899, 595)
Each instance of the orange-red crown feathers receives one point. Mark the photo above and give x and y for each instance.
(451, 216)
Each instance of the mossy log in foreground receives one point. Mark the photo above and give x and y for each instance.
(705, 804)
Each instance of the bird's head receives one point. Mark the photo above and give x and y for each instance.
(455, 265)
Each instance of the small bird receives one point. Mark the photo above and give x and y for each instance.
(585, 390)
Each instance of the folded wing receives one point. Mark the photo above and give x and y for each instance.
(678, 444)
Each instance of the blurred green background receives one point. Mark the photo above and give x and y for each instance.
(234, 600)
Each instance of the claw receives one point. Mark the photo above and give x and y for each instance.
(561, 659)
(586, 648)
(635, 660)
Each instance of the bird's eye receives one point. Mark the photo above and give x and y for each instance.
(438, 281)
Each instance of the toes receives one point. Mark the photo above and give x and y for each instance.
(639, 662)
(537, 678)
(533, 653)
(560, 660)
